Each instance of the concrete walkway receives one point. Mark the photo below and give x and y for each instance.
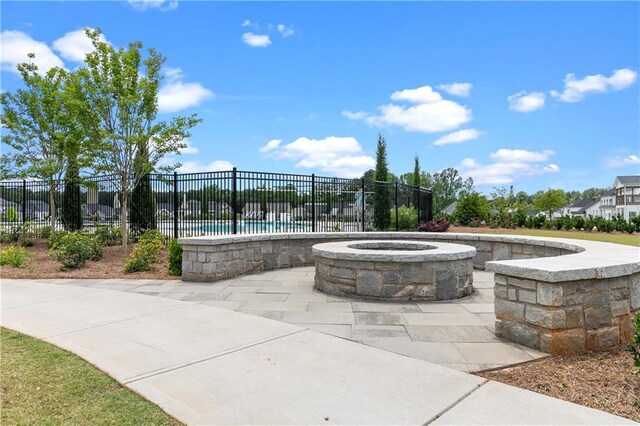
(456, 334)
(207, 365)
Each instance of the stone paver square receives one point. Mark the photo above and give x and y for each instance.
(383, 307)
(451, 333)
(428, 351)
(450, 308)
(285, 290)
(330, 307)
(319, 317)
(275, 306)
(258, 297)
(224, 304)
(369, 332)
(442, 319)
(256, 277)
(316, 377)
(479, 308)
(379, 318)
(493, 353)
(307, 297)
(342, 331)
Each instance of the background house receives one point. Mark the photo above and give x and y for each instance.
(627, 196)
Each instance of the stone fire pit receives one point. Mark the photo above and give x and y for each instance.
(394, 270)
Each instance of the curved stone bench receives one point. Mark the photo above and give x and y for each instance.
(560, 296)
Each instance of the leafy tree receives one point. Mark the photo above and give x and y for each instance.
(500, 200)
(41, 129)
(471, 206)
(204, 203)
(121, 92)
(447, 186)
(594, 192)
(381, 213)
(549, 201)
(415, 180)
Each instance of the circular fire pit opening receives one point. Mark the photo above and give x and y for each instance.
(394, 270)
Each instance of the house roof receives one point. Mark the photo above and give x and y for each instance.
(629, 180)
(583, 203)
(450, 208)
(609, 193)
(587, 207)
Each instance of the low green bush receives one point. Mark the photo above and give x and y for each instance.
(407, 218)
(74, 249)
(11, 214)
(109, 235)
(145, 253)
(44, 231)
(24, 234)
(175, 258)
(471, 207)
(634, 348)
(14, 256)
(55, 238)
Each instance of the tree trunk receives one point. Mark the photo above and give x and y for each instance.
(52, 207)
(123, 217)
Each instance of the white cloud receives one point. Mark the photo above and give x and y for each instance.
(246, 23)
(16, 45)
(431, 114)
(510, 165)
(576, 89)
(526, 102)
(256, 40)
(271, 145)
(504, 154)
(622, 161)
(197, 167)
(458, 137)
(75, 45)
(285, 31)
(421, 95)
(189, 149)
(340, 156)
(354, 115)
(456, 89)
(163, 5)
(176, 95)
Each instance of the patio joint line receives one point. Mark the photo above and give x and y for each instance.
(456, 402)
(199, 361)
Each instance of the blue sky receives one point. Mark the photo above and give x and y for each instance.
(533, 95)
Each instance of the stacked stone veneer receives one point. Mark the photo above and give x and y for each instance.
(209, 259)
(394, 271)
(560, 296)
(567, 317)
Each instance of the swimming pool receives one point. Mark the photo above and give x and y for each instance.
(253, 226)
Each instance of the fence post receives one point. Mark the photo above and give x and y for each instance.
(397, 222)
(24, 200)
(363, 205)
(176, 205)
(313, 202)
(234, 199)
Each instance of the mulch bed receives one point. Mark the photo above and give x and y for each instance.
(41, 266)
(602, 380)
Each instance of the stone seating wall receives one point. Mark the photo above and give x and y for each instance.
(556, 295)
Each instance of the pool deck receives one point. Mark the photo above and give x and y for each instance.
(207, 365)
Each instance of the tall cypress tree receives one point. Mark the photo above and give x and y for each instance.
(143, 206)
(71, 208)
(415, 181)
(381, 202)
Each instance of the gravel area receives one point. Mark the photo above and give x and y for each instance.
(40, 266)
(600, 380)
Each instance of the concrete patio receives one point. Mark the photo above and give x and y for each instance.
(207, 365)
(456, 334)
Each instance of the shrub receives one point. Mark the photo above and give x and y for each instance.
(175, 258)
(471, 206)
(606, 226)
(634, 348)
(23, 234)
(55, 238)
(635, 221)
(440, 225)
(109, 235)
(407, 218)
(14, 256)
(578, 222)
(145, 253)
(11, 214)
(44, 232)
(75, 248)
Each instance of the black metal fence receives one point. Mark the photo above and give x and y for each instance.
(228, 202)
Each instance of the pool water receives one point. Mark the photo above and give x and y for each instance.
(249, 227)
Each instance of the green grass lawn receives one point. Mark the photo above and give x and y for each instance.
(43, 384)
(626, 239)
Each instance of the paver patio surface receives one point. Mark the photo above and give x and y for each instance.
(456, 334)
(207, 365)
